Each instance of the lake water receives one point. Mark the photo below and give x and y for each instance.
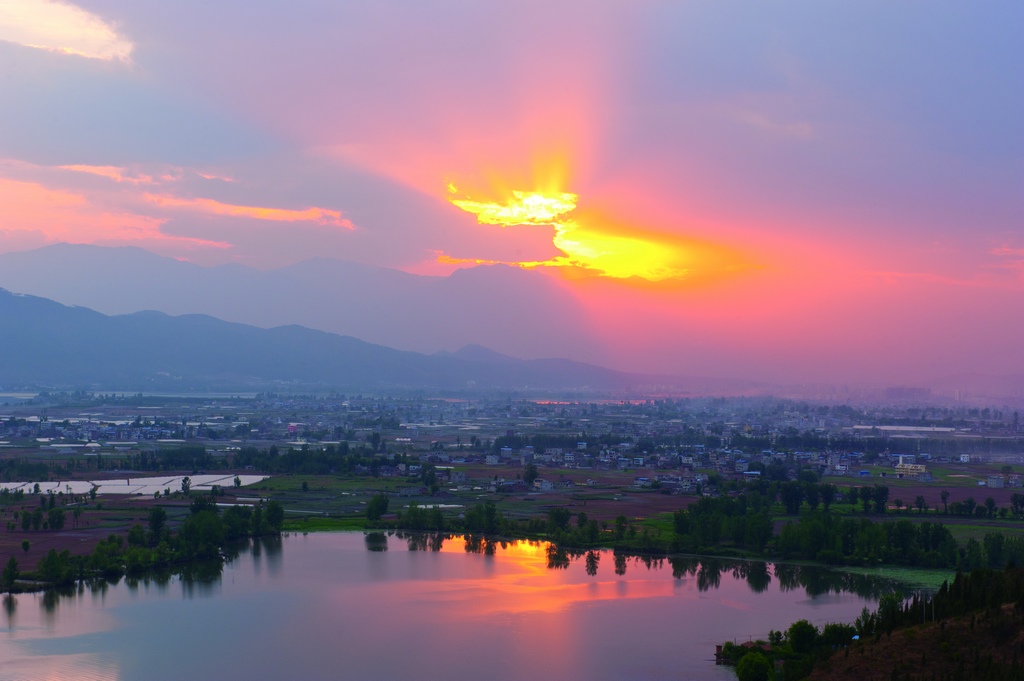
(349, 606)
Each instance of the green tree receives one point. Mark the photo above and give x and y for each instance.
(186, 485)
(880, 493)
(157, 522)
(920, 503)
(753, 666)
(621, 522)
(377, 506)
(944, 495)
(136, 535)
(530, 474)
(10, 575)
(25, 545)
(274, 517)
(55, 518)
(802, 636)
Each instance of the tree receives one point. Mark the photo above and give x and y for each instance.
(990, 506)
(1017, 504)
(238, 481)
(274, 517)
(881, 496)
(558, 519)
(25, 545)
(621, 522)
(920, 503)
(828, 495)
(753, 667)
(10, 575)
(944, 495)
(157, 522)
(802, 636)
(186, 485)
(792, 496)
(899, 505)
(377, 506)
(55, 518)
(530, 474)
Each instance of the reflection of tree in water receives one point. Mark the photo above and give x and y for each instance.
(815, 580)
(376, 541)
(684, 565)
(709, 575)
(422, 541)
(819, 581)
(558, 559)
(478, 543)
(757, 576)
(10, 605)
(201, 578)
(593, 558)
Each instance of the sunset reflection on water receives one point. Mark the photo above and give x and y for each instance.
(386, 606)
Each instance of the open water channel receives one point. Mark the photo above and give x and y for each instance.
(355, 606)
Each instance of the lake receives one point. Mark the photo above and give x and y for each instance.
(355, 606)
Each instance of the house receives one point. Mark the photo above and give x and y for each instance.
(542, 485)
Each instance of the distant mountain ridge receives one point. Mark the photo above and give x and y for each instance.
(46, 343)
(510, 310)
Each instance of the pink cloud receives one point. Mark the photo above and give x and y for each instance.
(322, 216)
(35, 212)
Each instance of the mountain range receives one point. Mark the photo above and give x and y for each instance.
(507, 309)
(47, 343)
(325, 323)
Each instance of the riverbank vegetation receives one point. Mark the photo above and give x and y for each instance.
(203, 537)
(971, 628)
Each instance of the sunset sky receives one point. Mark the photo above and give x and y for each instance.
(797, 191)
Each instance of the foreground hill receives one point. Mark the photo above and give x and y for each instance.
(45, 343)
(986, 646)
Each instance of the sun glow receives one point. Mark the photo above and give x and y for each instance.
(524, 208)
(612, 255)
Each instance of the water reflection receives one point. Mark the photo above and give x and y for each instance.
(464, 603)
(376, 541)
(708, 571)
(593, 560)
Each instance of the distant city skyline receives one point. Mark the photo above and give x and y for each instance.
(786, 193)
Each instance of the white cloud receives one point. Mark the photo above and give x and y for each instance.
(61, 27)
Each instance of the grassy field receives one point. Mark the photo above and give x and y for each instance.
(912, 578)
(321, 524)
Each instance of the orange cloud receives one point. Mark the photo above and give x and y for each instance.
(322, 216)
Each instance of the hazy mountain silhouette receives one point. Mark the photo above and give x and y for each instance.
(45, 343)
(511, 310)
